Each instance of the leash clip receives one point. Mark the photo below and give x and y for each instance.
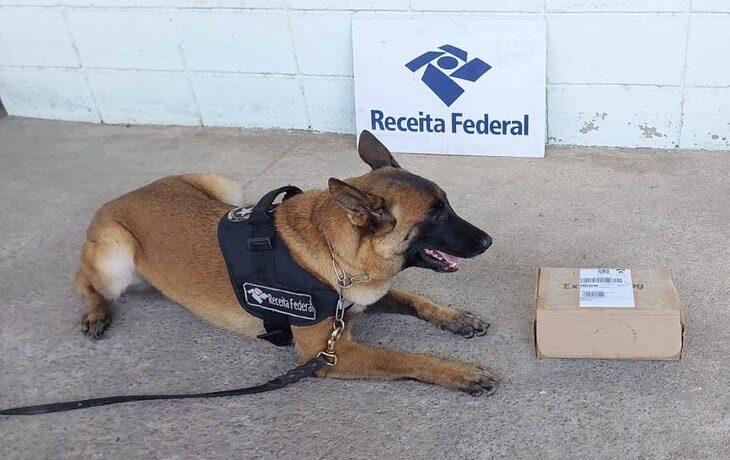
(329, 352)
(331, 358)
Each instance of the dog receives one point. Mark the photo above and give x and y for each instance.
(379, 223)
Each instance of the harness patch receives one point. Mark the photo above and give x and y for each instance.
(239, 214)
(288, 303)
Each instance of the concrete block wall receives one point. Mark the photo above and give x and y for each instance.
(629, 73)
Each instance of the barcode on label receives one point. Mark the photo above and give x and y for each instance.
(605, 288)
(587, 295)
(601, 279)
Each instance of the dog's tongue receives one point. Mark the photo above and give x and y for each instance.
(448, 257)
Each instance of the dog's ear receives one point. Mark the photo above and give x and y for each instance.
(373, 152)
(364, 209)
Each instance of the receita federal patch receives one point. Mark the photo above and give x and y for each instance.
(281, 301)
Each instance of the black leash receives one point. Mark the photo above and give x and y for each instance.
(294, 375)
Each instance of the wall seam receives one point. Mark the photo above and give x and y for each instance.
(186, 69)
(67, 25)
(683, 81)
(547, 100)
(298, 75)
(351, 10)
(331, 75)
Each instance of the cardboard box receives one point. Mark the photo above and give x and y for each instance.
(652, 329)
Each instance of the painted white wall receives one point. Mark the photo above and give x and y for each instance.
(629, 73)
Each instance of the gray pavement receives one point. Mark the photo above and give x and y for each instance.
(576, 207)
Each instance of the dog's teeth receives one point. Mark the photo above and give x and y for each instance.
(434, 254)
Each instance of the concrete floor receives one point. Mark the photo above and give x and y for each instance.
(576, 207)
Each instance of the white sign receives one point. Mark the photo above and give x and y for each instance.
(452, 86)
(606, 287)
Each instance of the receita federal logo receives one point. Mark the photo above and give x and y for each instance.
(258, 294)
(441, 68)
(450, 63)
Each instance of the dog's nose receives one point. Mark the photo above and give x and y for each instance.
(484, 243)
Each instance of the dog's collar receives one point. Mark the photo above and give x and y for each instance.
(344, 279)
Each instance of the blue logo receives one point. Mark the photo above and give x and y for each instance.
(450, 59)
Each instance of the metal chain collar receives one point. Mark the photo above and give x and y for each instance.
(344, 281)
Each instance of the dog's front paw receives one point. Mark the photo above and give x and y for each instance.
(466, 325)
(476, 382)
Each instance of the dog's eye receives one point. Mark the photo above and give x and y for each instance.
(438, 212)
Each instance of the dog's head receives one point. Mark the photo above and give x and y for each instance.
(407, 219)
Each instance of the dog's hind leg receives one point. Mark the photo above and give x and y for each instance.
(451, 319)
(106, 269)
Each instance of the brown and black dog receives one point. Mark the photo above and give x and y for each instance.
(379, 223)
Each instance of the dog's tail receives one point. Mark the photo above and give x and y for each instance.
(217, 187)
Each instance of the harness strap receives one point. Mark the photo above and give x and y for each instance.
(261, 245)
(267, 200)
(294, 375)
(261, 241)
(278, 330)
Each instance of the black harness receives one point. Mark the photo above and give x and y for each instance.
(268, 282)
